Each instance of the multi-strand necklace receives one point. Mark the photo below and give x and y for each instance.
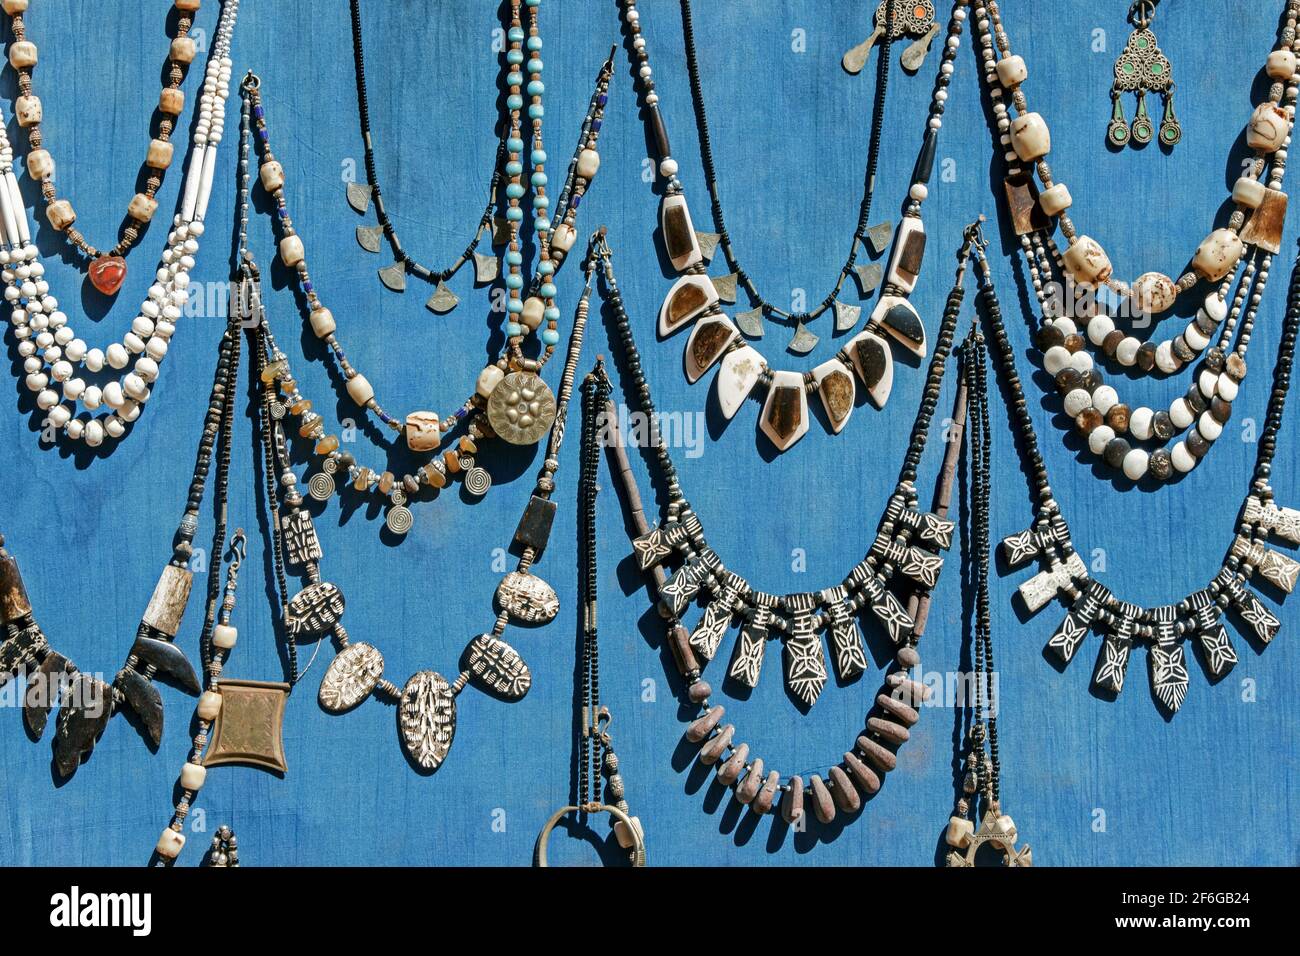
(905, 557)
(60, 368)
(695, 298)
(1167, 628)
(106, 269)
(510, 399)
(1241, 251)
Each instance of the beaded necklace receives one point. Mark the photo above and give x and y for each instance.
(509, 400)
(905, 557)
(54, 358)
(1241, 251)
(106, 270)
(694, 299)
(1165, 629)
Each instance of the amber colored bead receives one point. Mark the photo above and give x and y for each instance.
(434, 476)
(363, 479)
(326, 445)
(307, 429)
(452, 460)
(1117, 418)
(1088, 420)
(298, 407)
(1074, 343)
(272, 372)
(386, 482)
(467, 446)
(288, 386)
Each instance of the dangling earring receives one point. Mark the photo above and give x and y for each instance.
(1141, 69)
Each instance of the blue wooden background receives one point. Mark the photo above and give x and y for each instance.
(1089, 782)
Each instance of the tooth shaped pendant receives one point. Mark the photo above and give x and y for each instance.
(874, 364)
(443, 299)
(869, 276)
(747, 661)
(835, 386)
(803, 341)
(708, 243)
(394, 277)
(359, 196)
(846, 640)
(751, 323)
(370, 237)
(897, 316)
(680, 241)
(486, 268)
(846, 316)
(725, 286)
(737, 377)
(1112, 663)
(880, 235)
(785, 412)
(708, 341)
(688, 299)
(1078, 621)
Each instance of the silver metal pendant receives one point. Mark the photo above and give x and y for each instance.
(846, 316)
(497, 668)
(321, 486)
(751, 323)
(500, 231)
(869, 276)
(351, 677)
(359, 196)
(370, 238)
(394, 277)
(399, 519)
(477, 480)
(521, 408)
(725, 286)
(443, 299)
(880, 235)
(708, 242)
(426, 717)
(803, 341)
(527, 598)
(486, 268)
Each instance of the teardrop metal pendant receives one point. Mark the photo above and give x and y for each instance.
(370, 237)
(359, 196)
(443, 299)
(394, 277)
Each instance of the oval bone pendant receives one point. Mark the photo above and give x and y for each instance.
(314, 610)
(497, 668)
(426, 718)
(351, 677)
(527, 598)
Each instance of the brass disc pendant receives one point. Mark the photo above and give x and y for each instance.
(521, 408)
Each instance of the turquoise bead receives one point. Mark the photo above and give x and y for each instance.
(535, 65)
(543, 225)
(514, 101)
(516, 35)
(550, 336)
(545, 267)
(514, 306)
(536, 88)
(536, 111)
(514, 168)
(539, 157)
(532, 3)
(515, 190)
(539, 179)
(515, 144)
(534, 43)
(514, 281)
(515, 56)
(514, 328)
(514, 258)
(515, 214)
(547, 291)
(552, 313)
(514, 78)
(541, 202)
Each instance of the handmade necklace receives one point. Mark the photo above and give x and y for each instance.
(1167, 628)
(981, 796)
(1241, 251)
(509, 400)
(904, 556)
(694, 297)
(106, 270)
(1142, 68)
(893, 20)
(54, 359)
(595, 746)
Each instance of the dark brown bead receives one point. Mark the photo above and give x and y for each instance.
(1182, 351)
(1214, 359)
(1162, 426)
(1088, 420)
(1068, 379)
(1146, 357)
(1115, 451)
(1117, 417)
(1092, 380)
(1195, 400)
(1235, 367)
(1111, 342)
(1048, 336)
(1160, 464)
(1220, 410)
(1074, 343)
(1197, 443)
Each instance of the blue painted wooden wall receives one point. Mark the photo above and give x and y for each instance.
(1089, 782)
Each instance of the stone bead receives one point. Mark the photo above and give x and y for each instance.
(699, 692)
(271, 175)
(1110, 344)
(22, 54)
(1197, 444)
(1087, 261)
(1126, 352)
(322, 322)
(1217, 255)
(1160, 464)
(1181, 458)
(1055, 359)
(763, 802)
(563, 238)
(1135, 464)
(40, 164)
(712, 751)
(224, 636)
(291, 251)
(28, 110)
(1162, 426)
(209, 705)
(907, 657)
(189, 6)
(1116, 451)
(1268, 129)
(703, 725)
(1140, 423)
(959, 833)
(60, 214)
(1076, 401)
(183, 49)
(863, 775)
(1030, 137)
(1105, 398)
(588, 164)
(730, 770)
(142, 207)
(171, 102)
(881, 757)
(1153, 292)
(748, 788)
(1181, 414)
(422, 432)
(326, 445)
(534, 311)
(905, 714)
(1047, 336)
(1074, 343)
(360, 390)
(170, 844)
(193, 776)
(1055, 200)
(1280, 65)
(1099, 438)
(846, 795)
(823, 805)
(488, 380)
(1146, 356)
(792, 802)
(1209, 426)
(1012, 71)
(160, 154)
(1248, 192)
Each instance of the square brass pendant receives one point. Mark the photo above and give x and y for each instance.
(249, 728)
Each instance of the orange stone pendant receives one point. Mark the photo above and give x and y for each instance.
(107, 274)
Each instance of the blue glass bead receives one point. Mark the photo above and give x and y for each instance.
(514, 328)
(546, 267)
(514, 258)
(550, 336)
(307, 286)
(536, 88)
(547, 291)
(539, 179)
(514, 168)
(534, 43)
(516, 35)
(514, 78)
(514, 281)
(539, 157)
(514, 306)
(515, 144)
(535, 65)
(515, 214)
(541, 202)
(515, 191)
(514, 101)
(536, 111)
(602, 99)
(532, 3)
(576, 201)
(597, 124)
(515, 57)
(552, 313)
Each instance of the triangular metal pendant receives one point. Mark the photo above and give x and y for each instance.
(500, 231)
(846, 316)
(443, 299)
(880, 235)
(708, 242)
(394, 277)
(803, 341)
(486, 268)
(751, 323)
(370, 237)
(725, 286)
(869, 276)
(359, 196)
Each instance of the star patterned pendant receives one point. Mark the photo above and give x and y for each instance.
(998, 830)
(249, 728)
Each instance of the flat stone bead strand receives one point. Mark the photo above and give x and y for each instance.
(28, 110)
(54, 357)
(1026, 143)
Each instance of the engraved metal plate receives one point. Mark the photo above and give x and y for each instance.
(869, 276)
(751, 322)
(249, 729)
(522, 408)
(486, 268)
(314, 609)
(394, 277)
(426, 718)
(527, 598)
(846, 316)
(369, 237)
(880, 235)
(497, 668)
(725, 286)
(351, 676)
(803, 341)
(359, 196)
(708, 243)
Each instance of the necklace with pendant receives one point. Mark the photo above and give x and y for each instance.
(510, 399)
(1240, 252)
(596, 756)
(58, 367)
(981, 796)
(106, 269)
(695, 298)
(902, 565)
(1165, 629)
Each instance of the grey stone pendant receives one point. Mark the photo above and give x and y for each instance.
(805, 662)
(880, 235)
(370, 238)
(1043, 587)
(751, 322)
(486, 268)
(803, 341)
(497, 668)
(394, 277)
(747, 661)
(351, 677)
(869, 276)
(846, 316)
(708, 242)
(725, 286)
(426, 717)
(359, 196)
(143, 698)
(443, 299)
(84, 712)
